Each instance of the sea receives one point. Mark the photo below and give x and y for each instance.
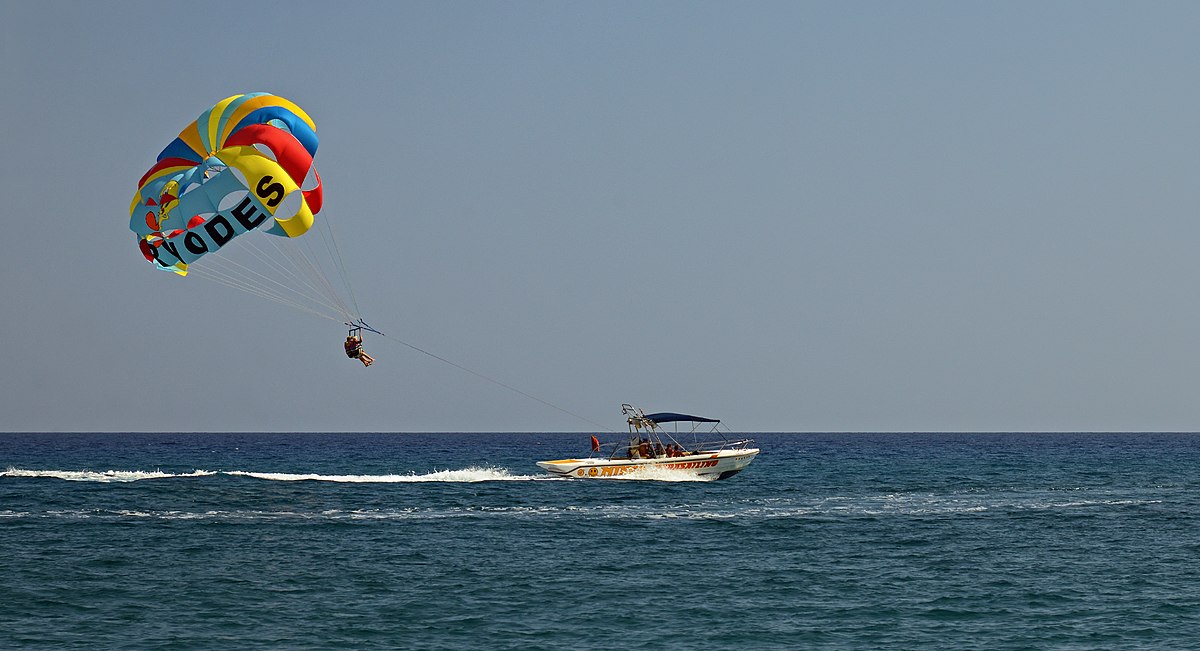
(458, 541)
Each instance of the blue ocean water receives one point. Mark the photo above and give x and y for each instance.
(457, 541)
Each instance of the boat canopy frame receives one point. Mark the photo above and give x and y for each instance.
(645, 434)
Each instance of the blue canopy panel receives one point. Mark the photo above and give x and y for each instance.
(671, 417)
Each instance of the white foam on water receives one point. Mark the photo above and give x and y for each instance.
(922, 504)
(106, 476)
(684, 514)
(661, 473)
(136, 514)
(465, 475)
(1076, 504)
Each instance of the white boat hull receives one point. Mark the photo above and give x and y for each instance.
(719, 464)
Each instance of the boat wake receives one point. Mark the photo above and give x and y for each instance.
(106, 476)
(465, 475)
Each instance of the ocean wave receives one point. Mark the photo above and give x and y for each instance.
(105, 476)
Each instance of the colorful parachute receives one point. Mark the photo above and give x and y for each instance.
(244, 164)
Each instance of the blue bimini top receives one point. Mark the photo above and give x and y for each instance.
(672, 417)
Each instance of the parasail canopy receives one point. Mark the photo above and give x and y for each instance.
(244, 164)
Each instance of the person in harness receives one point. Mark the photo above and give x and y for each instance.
(354, 349)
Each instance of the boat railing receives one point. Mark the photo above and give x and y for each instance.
(620, 451)
(724, 444)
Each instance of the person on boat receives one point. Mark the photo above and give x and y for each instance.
(659, 452)
(644, 449)
(354, 350)
(595, 444)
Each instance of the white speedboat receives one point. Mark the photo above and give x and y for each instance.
(651, 452)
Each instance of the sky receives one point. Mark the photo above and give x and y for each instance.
(793, 216)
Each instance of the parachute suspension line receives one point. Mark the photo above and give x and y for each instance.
(311, 259)
(275, 261)
(276, 299)
(229, 279)
(226, 277)
(499, 383)
(306, 267)
(316, 296)
(290, 272)
(268, 281)
(331, 245)
(239, 284)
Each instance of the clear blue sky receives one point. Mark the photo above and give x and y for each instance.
(793, 216)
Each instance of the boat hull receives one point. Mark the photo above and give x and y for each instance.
(720, 464)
